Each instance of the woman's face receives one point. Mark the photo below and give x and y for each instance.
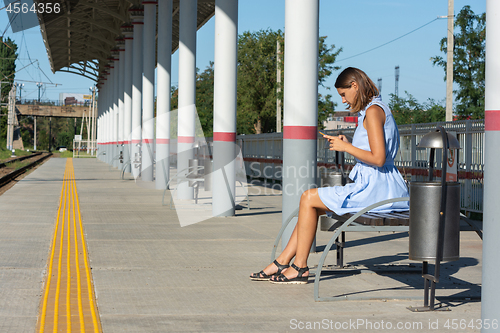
(348, 94)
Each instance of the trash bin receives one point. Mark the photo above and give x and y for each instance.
(425, 201)
(332, 178)
(208, 174)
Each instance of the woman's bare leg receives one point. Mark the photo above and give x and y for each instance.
(286, 255)
(311, 207)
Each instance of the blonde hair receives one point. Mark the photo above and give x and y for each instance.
(366, 88)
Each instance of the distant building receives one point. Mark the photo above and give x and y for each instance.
(338, 120)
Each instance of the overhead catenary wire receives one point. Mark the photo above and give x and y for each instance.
(393, 40)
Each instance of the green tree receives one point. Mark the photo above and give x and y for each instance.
(407, 110)
(468, 63)
(64, 139)
(257, 81)
(327, 56)
(205, 99)
(8, 58)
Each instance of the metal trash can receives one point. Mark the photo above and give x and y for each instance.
(208, 174)
(425, 202)
(332, 178)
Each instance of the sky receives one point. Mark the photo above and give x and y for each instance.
(356, 26)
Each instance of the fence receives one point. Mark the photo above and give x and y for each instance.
(263, 155)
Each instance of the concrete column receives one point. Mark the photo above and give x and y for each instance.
(137, 22)
(127, 98)
(490, 292)
(114, 134)
(300, 104)
(224, 139)
(100, 127)
(110, 115)
(187, 92)
(100, 102)
(163, 94)
(121, 96)
(102, 114)
(148, 92)
(98, 143)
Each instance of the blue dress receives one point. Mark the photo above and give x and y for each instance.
(371, 184)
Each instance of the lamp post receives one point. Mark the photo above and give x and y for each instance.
(39, 85)
(20, 86)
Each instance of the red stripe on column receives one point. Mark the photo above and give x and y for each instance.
(185, 139)
(225, 136)
(148, 140)
(162, 141)
(126, 142)
(492, 120)
(136, 141)
(300, 132)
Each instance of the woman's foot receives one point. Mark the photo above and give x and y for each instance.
(273, 269)
(292, 276)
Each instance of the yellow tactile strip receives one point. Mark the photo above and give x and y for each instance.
(68, 302)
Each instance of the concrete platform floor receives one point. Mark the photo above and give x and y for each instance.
(152, 275)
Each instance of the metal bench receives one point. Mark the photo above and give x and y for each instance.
(380, 222)
(363, 221)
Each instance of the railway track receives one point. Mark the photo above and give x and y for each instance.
(9, 177)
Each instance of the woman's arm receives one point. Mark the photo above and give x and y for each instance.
(374, 124)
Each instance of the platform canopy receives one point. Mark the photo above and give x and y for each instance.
(83, 36)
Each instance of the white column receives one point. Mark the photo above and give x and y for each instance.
(102, 127)
(163, 94)
(224, 139)
(490, 292)
(148, 80)
(127, 98)
(137, 92)
(300, 103)
(121, 104)
(116, 86)
(187, 92)
(110, 115)
(97, 137)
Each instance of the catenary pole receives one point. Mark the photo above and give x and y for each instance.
(449, 63)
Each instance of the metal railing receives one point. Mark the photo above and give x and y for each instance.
(263, 155)
(50, 102)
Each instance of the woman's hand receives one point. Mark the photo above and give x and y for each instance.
(338, 143)
(374, 125)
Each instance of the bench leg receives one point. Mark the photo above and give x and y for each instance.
(340, 242)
